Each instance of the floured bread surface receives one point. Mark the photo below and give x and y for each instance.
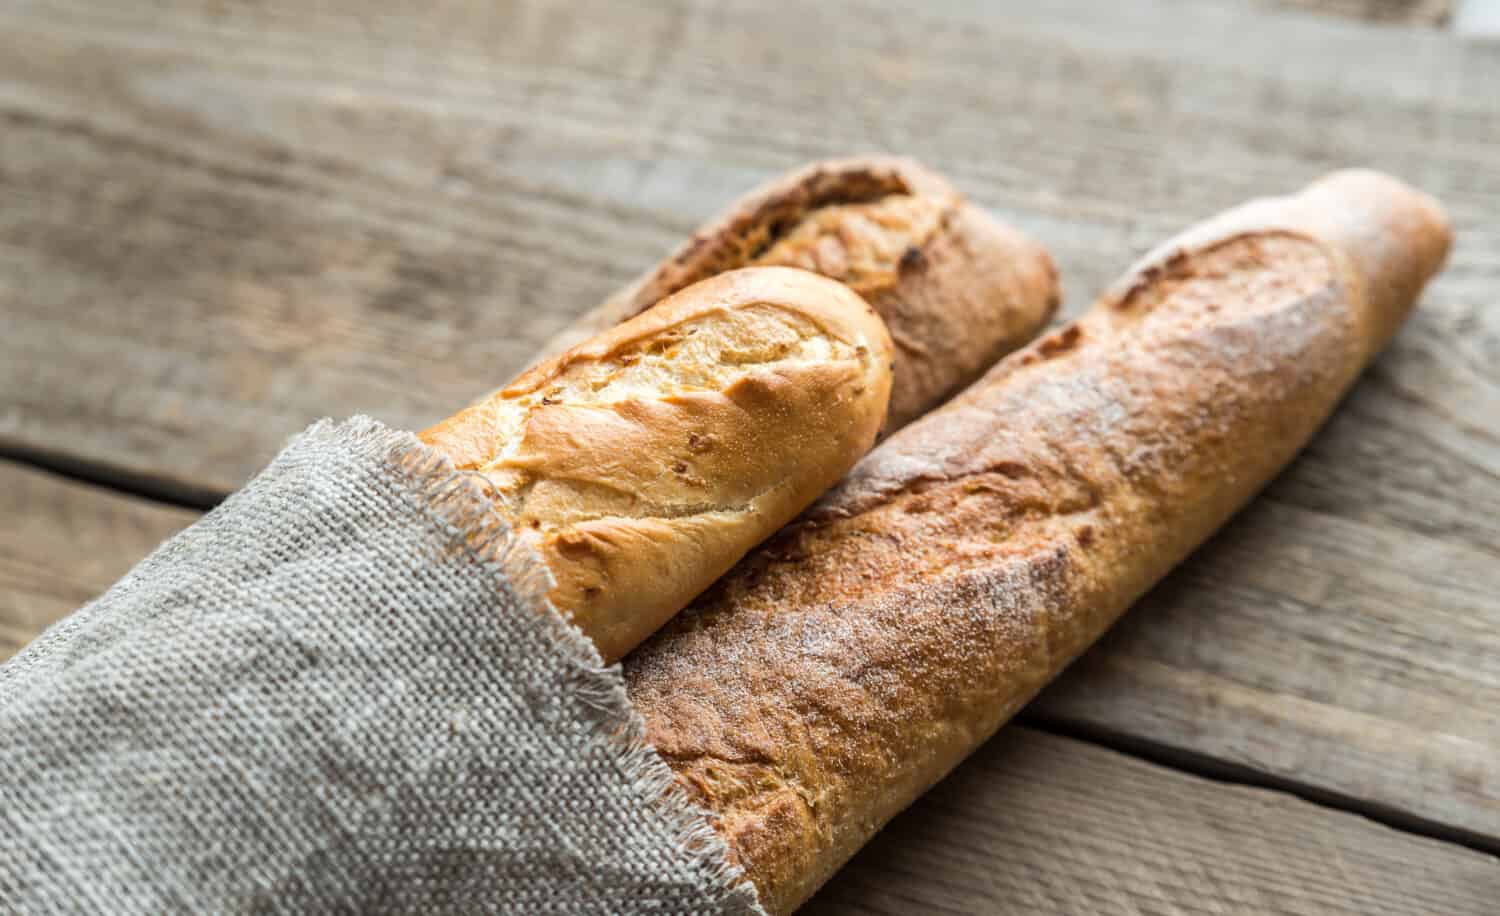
(849, 663)
(860, 244)
(978, 550)
(642, 464)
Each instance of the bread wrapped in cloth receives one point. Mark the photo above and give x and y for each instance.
(847, 665)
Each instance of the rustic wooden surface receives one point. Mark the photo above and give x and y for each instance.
(62, 543)
(221, 222)
(1033, 823)
(286, 214)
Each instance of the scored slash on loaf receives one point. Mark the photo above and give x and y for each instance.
(957, 289)
(642, 464)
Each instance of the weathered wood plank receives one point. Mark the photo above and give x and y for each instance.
(1039, 824)
(221, 223)
(1324, 651)
(62, 543)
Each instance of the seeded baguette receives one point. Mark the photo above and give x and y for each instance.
(643, 463)
(848, 664)
(957, 289)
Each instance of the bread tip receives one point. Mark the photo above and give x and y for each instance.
(1383, 193)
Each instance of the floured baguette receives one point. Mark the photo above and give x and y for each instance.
(848, 664)
(643, 463)
(957, 289)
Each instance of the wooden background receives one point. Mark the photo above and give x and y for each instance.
(219, 222)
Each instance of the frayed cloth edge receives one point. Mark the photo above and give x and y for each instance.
(457, 503)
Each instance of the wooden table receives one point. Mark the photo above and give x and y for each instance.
(219, 223)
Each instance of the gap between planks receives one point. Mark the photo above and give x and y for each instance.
(1228, 773)
(157, 488)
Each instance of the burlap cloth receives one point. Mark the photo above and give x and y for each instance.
(338, 692)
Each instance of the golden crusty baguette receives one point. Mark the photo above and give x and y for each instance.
(642, 464)
(848, 664)
(957, 289)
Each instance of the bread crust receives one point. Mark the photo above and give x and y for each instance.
(847, 665)
(643, 463)
(957, 289)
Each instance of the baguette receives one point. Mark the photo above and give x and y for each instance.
(843, 668)
(642, 464)
(957, 289)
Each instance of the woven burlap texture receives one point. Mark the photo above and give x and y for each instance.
(340, 691)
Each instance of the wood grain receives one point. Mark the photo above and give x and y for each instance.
(238, 219)
(1322, 651)
(1039, 824)
(224, 221)
(63, 543)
